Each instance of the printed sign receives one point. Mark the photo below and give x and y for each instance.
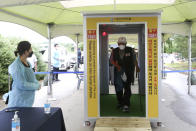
(92, 73)
(91, 34)
(152, 33)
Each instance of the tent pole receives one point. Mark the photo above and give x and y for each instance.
(49, 89)
(162, 44)
(114, 4)
(77, 41)
(189, 58)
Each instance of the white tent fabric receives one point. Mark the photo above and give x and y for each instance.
(35, 14)
(67, 30)
(180, 28)
(8, 3)
(37, 26)
(81, 3)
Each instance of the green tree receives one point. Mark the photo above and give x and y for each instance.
(168, 46)
(7, 48)
(193, 45)
(41, 66)
(69, 47)
(81, 46)
(6, 58)
(180, 45)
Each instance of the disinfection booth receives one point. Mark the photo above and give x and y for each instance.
(98, 27)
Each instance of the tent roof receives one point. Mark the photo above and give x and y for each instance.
(67, 18)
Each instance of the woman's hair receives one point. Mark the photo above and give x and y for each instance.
(22, 47)
(55, 45)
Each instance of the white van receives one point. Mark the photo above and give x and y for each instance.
(64, 58)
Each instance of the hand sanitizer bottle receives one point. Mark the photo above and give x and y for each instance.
(16, 122)
(47, 107)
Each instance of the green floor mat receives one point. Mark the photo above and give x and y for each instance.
(108, 105)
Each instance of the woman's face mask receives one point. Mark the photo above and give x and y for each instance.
(122, 47)
(30, 54)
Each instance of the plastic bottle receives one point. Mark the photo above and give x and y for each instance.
(16, 122)
(47, 107)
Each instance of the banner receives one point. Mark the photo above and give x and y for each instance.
(92, 72)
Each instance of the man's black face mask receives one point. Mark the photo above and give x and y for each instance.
(30, 54)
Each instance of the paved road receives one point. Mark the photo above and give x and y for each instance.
(177, 108)
(185, 105)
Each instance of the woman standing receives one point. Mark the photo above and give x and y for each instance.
(24, 81)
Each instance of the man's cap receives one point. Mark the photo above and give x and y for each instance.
(122, 40)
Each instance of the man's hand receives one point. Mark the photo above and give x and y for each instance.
(137, 69)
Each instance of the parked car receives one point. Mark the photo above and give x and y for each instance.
(170, 58)
(193, 59)
(72, 60)
(64, 59)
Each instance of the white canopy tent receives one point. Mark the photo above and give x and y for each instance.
(67, 18)
(52, 18)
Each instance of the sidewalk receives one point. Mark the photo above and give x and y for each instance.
(177, 108)
(69, 99)
(176, 112)
(61, 89)
(73, 111)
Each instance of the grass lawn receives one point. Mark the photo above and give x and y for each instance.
(180, 66)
